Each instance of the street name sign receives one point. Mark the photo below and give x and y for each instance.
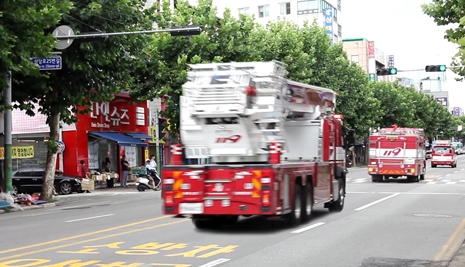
(50, 63)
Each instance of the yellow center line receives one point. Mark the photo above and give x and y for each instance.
(92, 239)
(452, 244)
(82, 235)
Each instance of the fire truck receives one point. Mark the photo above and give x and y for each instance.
(443, 153)
(276, 148)
(396, 152)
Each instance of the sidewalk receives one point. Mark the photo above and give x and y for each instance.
(116, 190)
(458, 260)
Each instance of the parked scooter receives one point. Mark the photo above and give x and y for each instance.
(143, 183)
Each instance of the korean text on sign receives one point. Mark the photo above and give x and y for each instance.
(19, 152)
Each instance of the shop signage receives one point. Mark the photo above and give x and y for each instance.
(19, 152)
(108, 115)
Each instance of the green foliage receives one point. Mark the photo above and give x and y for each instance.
(310, 59)
(445, 13)
(92, 71)
(22, 24)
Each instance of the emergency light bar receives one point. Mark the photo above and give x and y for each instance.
(338, 116)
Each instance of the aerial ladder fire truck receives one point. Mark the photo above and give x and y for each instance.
(276, 146)
(397, 152)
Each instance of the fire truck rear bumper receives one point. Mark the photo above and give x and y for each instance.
(218, 207)
(448, 162)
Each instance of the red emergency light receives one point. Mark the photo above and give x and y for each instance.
(338, 116)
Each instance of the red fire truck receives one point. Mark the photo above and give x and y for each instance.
(443, 153)
(276, 147)
(397, 152)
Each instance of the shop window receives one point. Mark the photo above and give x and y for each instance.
(355, 59)
(264, 11)
(132, 156)
(285, 8)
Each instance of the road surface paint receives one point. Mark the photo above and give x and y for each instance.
(409, 193)
(80, 263)
(453, 244)
(83, 235)
(90, 218)
(215, 262)
(153, 248)
(306, 228)
(377, 201)
(92, 240)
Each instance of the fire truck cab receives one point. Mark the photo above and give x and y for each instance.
(275, 147)
(443, 153)
(396, 152)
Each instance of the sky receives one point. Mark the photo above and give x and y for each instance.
(400, 28)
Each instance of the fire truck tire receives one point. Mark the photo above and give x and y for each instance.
(295, 216)
(307, 204)
(433, 166)
(208, 222)
(338, 205)
(376, 178)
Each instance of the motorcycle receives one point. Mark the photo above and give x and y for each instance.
(143, 183)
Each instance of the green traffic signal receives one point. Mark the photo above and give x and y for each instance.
(435, 68)
(393, 71)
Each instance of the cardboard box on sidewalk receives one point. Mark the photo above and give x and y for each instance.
(87, 184)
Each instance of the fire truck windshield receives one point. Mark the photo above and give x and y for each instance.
(442, 150)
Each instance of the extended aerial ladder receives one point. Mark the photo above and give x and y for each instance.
(233, 111)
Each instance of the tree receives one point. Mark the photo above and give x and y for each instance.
(444, 13)
(92, 71)
(163, 70)
(22, 23)
(311, 59)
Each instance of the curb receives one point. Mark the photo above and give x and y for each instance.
(33, 207)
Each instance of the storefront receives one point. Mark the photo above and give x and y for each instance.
(111, 130)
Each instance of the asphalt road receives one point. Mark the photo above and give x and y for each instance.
(394, 223)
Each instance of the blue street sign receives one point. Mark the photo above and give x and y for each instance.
(51, 63)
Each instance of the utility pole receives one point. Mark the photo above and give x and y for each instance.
(157, 142)
(8, 143)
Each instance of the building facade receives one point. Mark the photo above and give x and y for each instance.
(364, 53)
(112, 129)
(297, 11)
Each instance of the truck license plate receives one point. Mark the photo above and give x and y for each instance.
(191, 208)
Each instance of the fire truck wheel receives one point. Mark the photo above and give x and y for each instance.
(376, 178)
(307, 203)
(295, 216)
(433, 166)
(338, 205)
(207, 222)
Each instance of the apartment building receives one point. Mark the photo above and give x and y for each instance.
(326, 13)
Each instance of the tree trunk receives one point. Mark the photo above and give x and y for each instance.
(48, 182)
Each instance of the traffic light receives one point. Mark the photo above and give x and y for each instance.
(384, 72)
(435, 68)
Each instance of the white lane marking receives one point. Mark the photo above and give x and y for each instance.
(461, 169)
(456, 171)
(215, 262)
(462, 181)
(448, 194)
(446, 180)
(448, 174)
(90, 218)
(431, 183)
(451, 182)
(376, 202)
(306, 228)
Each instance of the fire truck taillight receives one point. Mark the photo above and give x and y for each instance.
(168, 198)
(412, 170)
(266, 198)
(370, 169)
